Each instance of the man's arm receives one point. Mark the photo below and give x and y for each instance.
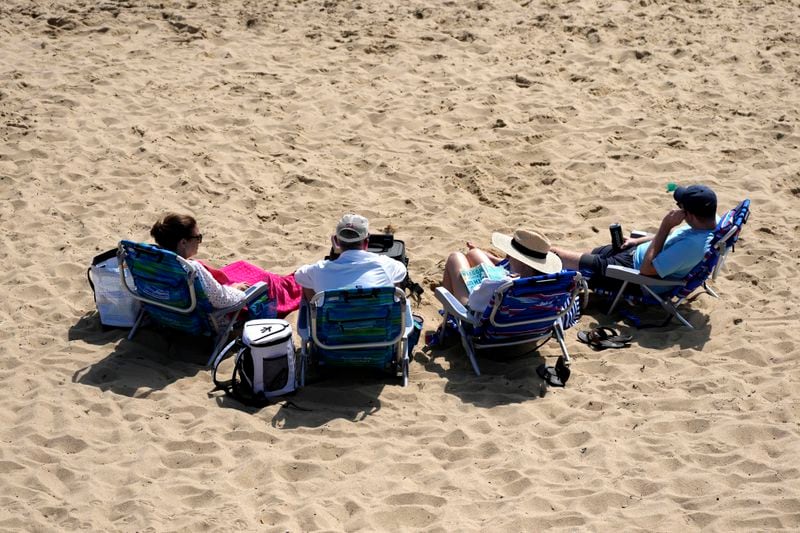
(305, 279)
(670, 220)
(632, 242)
(394, 269)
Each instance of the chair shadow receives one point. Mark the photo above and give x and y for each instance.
(137, 368)
(672, 335)
(352, 394)
(507, 377)
(89, 330)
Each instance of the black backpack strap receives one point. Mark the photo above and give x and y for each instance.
(228, 350)
(237, 387)
(413, 288)
(241, 391)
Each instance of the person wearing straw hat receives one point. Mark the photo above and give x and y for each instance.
(527, 254)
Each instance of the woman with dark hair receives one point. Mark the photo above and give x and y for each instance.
(180, 234)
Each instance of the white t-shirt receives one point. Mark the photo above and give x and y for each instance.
(220, 296)
(352, 269)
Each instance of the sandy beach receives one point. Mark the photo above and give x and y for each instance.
(443, 121)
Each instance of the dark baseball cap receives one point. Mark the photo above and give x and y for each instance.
(697, 199)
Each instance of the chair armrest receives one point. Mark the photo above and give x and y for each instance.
(250, 295)
(632, 275)
(254, 291)
(452, 306)
(635, 234)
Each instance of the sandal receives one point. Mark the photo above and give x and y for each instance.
(555, 377)
(604, 337)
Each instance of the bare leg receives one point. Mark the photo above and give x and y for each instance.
(456, 262)
(476, 256)
(569, 258)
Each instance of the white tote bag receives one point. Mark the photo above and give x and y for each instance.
(116, 306)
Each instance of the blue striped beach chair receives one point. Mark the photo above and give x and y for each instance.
(723, 241)
(172, 295)
(525, 311)
(356, 328)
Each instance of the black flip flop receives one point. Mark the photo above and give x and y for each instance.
(604, 337)
(554, 376)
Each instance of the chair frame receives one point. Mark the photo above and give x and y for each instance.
(452, 307)
(221, 323)
(307, 329)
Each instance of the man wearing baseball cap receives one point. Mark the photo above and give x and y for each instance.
(667, 254)
(355, 266)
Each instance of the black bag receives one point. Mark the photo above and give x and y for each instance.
(386, 244)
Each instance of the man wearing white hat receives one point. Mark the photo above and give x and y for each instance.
(528, 254)
(355, 266)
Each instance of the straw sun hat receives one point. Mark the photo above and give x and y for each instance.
(529, 247)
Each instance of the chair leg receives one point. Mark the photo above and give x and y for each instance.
(617, 298)
(136, 324)
(405, 365)
(305, 355)
(668, 307)
(677, 315)
(469, 348)
(222, 338)
(218, 345)
(559, 332)
(709, 290)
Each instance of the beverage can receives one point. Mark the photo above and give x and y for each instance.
(616, 236)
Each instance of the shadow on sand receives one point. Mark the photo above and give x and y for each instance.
(508, 375)
(138, 368)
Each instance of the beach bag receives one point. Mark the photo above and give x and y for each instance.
(115, 304)
(264, 363)
(386, 244)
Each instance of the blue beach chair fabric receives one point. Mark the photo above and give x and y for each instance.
(172, 295)
(522, 311)
(723, 241)
(364, 327)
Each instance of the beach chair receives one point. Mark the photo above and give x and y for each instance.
(723, 241)
(356, 328)
(525, 311)
(172, 295)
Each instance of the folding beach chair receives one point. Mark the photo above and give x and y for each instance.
(723, 241)
(521, 312)
(356, 328)
(172, 295)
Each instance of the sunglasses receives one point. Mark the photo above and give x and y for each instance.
(198, 237)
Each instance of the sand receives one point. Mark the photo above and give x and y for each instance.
(447, 121)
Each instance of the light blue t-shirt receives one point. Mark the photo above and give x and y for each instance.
(683, 249)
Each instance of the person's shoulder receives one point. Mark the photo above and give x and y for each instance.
(313, 266)
(196, 264)
(391, 262)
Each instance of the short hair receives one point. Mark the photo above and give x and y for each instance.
(171, 228)
(350, 245)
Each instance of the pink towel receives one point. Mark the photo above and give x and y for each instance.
(283, 289)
